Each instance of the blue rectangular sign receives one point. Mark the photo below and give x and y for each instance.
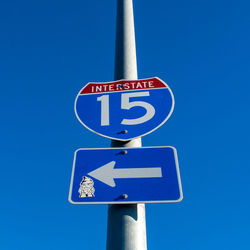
(125, 175)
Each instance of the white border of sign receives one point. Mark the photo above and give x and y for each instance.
(118, 139)
(127, 202)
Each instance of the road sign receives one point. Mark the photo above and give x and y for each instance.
(125, 175)
(124, 110)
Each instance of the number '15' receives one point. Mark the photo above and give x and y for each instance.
(126, 104)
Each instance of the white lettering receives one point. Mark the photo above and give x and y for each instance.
(111, 87)
(138, 85)
(98, 88)
(133, 85)
(150, 84)
(126, 86)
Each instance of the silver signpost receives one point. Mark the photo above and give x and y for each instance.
(126, 223)
(124, 110)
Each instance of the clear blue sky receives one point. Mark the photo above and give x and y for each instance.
(50, 49)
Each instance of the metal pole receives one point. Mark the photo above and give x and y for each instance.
(126, 223)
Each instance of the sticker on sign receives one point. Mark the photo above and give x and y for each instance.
(125, 109)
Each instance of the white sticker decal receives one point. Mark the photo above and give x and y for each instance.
(86, 187)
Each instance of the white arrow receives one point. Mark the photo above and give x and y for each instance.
(107, 173)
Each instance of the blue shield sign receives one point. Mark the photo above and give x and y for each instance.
(125, 175)
(125, 109)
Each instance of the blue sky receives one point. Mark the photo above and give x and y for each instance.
(50, 49)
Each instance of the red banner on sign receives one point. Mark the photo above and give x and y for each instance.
(123, 85)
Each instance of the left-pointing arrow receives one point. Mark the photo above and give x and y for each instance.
(107, 173)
